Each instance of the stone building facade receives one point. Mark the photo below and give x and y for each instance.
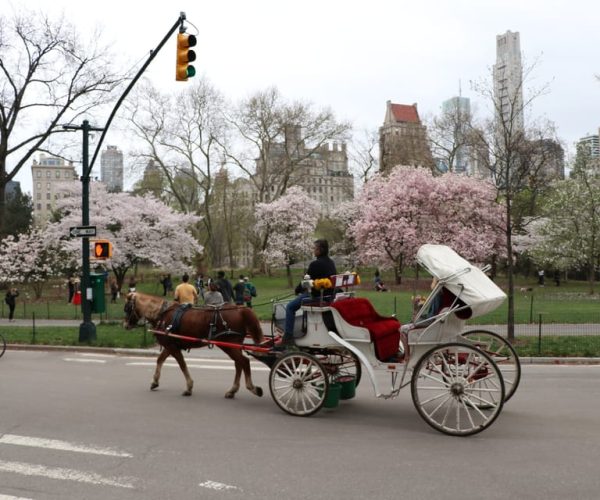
(403, 139)
(48, 174)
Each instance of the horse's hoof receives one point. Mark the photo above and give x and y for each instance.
(229, 395)
(186, 393)
(153, 386)
(258, 391)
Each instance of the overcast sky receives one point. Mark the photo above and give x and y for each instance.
(354, 55)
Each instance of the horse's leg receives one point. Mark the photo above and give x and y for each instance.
(164, 354)
(242, 363)
(178, 355)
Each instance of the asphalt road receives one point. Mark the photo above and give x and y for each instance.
(82, 425)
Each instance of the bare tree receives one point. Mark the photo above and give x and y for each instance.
(48, 77)
(364, 154)
(183, 136)
(515, 159)
(277, 137)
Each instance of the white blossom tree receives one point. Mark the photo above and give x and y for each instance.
(140, 228)
(31, 258)
(287, 225)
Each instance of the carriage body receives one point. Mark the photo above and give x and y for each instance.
(435, 347)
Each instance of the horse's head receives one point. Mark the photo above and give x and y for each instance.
(132, 315)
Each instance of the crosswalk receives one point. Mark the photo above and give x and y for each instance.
(142, 361)
(39, 470)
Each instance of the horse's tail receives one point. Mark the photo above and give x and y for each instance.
(253, 326)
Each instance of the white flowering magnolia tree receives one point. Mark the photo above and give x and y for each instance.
(30, 258)
(402, 211)
(287, 226)
(140, 228)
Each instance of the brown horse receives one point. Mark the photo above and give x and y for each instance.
(196, 323)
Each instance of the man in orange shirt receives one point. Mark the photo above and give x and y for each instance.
(186, 293)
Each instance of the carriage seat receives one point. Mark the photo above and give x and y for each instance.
(384, 332)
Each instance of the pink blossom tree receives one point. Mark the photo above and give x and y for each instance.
(140, 228)
(400, 212)
(287, 226)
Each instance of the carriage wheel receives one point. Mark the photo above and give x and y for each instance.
(503, 354)
(299, 384)
(342, 363)
(449, 392)
(2, 345)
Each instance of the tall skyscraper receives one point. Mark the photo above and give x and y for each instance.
(508, 82)
(458, 112)
(111, 168)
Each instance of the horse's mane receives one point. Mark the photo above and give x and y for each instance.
(151, 306)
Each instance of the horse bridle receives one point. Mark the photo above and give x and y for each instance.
(130, 313)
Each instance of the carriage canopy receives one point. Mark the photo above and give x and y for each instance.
(463, 279)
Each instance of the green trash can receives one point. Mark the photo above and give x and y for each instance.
(98, 297)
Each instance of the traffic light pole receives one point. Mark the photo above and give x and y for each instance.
(87, 329)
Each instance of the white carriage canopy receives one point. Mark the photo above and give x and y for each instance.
(463, 279)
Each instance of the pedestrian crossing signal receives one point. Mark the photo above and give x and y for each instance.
(102, 249)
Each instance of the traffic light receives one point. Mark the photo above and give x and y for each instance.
(185, 56)
(102, 249)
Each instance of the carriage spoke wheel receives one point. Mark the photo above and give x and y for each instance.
(503, 354)
(299, 384)
(457, 389)
(341, 364)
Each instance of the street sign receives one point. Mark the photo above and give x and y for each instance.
(82, 231)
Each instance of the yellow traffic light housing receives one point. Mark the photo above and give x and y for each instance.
(185, 56)
(102, 249)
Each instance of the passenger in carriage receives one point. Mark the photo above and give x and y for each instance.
(322, 267)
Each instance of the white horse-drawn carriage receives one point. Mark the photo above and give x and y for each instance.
(459, 378)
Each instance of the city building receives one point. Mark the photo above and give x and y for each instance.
(403, 139)
(321, 171)
(457, 110)
(508, 82)
(588, 153)
(111, 169)
(591, 143)
(48, 174)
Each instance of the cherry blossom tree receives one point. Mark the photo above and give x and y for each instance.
(31, 258)
(287, 226)
(410, 207)
(140, 228)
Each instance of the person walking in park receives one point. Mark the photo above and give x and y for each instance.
(11, 302)
(224, 286)
(114, 291)
(249, 292)
(71, 288)
(238, 291)
(185, 293)
(200, 285)
(132, 284)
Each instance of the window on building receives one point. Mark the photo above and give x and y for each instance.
(48, 174)
(48, 185)
(39, 206)
(38, 185)
(38, 173)
(48, 206)
(67, 175)
(58, 174)
(48, 196)
(39, 196)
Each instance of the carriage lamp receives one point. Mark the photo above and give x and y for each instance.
(102, 249)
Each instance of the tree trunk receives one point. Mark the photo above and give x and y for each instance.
(511, 278)
(288, 272)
